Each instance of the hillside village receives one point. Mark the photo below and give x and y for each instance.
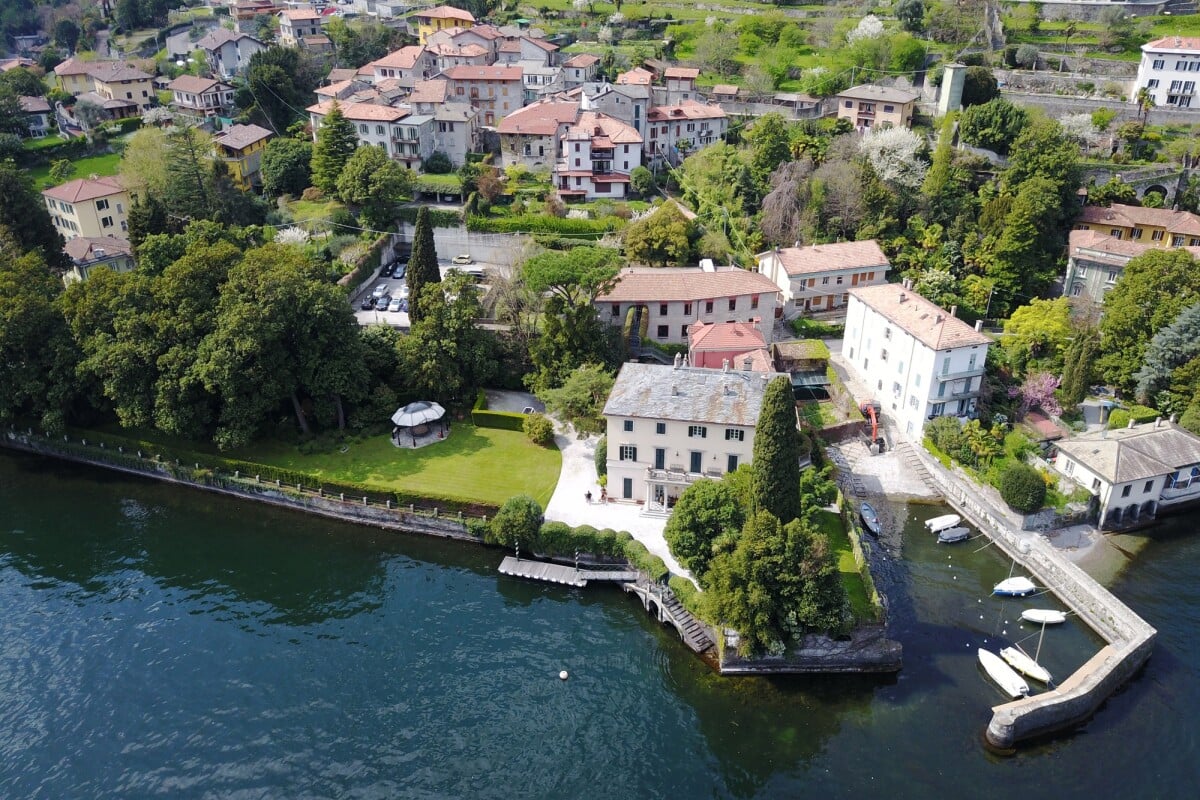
(263, 227)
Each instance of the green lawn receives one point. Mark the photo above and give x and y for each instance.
(304, 210)
(41, 144)
(103, 164)
(483, 465)
(831, 525)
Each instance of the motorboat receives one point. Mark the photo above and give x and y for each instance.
(1004, 675)
(1014, 587)
(870, 518)
(939, 524)
(1044, 616)
(952, 535)
(1022, 663)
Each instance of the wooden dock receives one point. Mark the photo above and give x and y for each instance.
(562, 574)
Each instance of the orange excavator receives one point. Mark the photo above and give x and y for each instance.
(870, 410)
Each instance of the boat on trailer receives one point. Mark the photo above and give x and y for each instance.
(1014, 587)
(939, 524)
(870, 518)
(1004, 675)
(1023, 663)
(1044, 616)
(952, 535)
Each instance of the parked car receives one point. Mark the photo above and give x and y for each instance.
(463, 260)
(381, 303)
(380, 290)
(395, 304)
(401, 270)
(404, 304)
(368, 302)
(404, 290)
(386, 272)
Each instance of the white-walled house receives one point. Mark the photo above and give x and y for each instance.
(678, 130)
(596, 156)
(819, 277)
(1169, 71)
(406, 137)
(228, 52)
(672, 300)
(919, 360)
(670, 426)
(529, 136)
(1134, 472)
(297, 23)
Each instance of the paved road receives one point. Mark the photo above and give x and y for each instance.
(397, 319)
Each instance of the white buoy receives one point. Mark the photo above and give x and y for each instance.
(562, 676)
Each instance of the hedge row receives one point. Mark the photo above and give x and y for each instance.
(1120, 417)
(543, 223)
(560, 539)
(504, 420)
(438, 217)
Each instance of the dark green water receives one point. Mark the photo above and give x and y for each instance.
(159, 642)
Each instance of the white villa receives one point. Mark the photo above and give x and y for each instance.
(1136, 471)
(918, 359)
(1169, 70)
(819, 277)
(670, 426)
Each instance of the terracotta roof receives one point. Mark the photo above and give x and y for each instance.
(445, 12)
(344, 74)
(1173, 43)
(1119, 250)
(82, 249)
(690, 394)
(636, 76)
(541, 118)
(759, 360)
(883, 94)
(239, 137)
(34, 105)
(828, 257)
(196, 85)
(510, 46)
(666, 285)
(431, 91)
(404, 58)
(1140, 216)
(7, 64)
(361, 112)
(100, 100)
(725, 89)
(581, 61)
(468, 72)
(468, 50)
(320, 38)
(601, 126)
(82, 189)
(300, 14)
(682, 72)
(686, 110)
(1133, 454)
(219, 36)
(928, 323)
(540, 43)
(72, 66)
(109, 71)
(740, 336)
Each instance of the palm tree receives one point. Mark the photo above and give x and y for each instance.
(1068, 32)
(1145, 101)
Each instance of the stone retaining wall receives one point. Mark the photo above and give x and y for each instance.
(868, 650)
(1130, 638)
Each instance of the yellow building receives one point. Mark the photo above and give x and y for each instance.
(241, 147)
(1154, 227)
(432, 20)
(111, 80)
(91, 207)
(73, 76)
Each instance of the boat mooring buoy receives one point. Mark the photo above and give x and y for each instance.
(562, 676)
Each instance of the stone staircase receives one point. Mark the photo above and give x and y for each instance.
(913, 463)
(695, 634)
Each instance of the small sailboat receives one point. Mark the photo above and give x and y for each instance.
(870, 518)
(1044, 616)
(939, 524)
(952, 535)
(1014, 587)
(1022, 663)
(1004, 675)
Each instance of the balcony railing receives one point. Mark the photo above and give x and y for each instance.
(677, 474)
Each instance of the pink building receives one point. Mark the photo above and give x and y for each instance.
(734, 344)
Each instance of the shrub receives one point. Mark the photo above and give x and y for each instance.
(438, 164)
(518, 520)
(312, 194)
(539, 429)
(1022, 487)
(503, 420)
(601, 457)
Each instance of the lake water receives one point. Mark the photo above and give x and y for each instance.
(157, 641)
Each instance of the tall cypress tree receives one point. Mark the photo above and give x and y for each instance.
(422, 264)
(775, 479)
(336, 143)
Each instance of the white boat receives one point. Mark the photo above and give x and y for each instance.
(1004, 675)
(1044, 616)
(1014, 587)
(939, 524)
(952, 535)
(1024, 664)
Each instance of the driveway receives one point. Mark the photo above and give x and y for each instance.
(397, 319)
(569, 504)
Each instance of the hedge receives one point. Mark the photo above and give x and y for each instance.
(438, 217)
(560, 539)
(1120, 417)
(544, 223)
(504, 420)
(687, 593)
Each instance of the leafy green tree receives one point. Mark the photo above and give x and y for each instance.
(664, 237)
(539, 429)
(61, 170)
(642, 181)
(706, 512)
(423, 267)
(1173, 346)
(438, 164)
(601, 457)
(286, 166)
(336, 143)
(907, 53)
(279, 83)
(911, 14)
(1114, 190)
(23, 213)
(1022, 487)
(147, 217)
(66, 34)
(1036, 334)
(1154, 289)
(23, 82)
(517, 521)
(769, 146)
(1079, 366)
(576, 275)
(580, 400)
(717, 51)
(447, 356)
(993, 125)
(778, 446)
(979, 86)
(375, 184)
(1043, 151)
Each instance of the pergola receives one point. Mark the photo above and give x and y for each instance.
(417, 417)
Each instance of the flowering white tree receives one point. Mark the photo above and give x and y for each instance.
(895, 153)
(292, 235)
(617, 19)
(869, 27)
(605, 34)
(1081, 128)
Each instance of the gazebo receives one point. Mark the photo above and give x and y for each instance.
(417, 418)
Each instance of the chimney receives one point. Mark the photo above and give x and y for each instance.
(954, 311)
(903, 296)
(979, 326)
(1174, 418)
(674, 390)
(725, 365)
(1130, 425)
(937, 319)
(1157, 422)
(748, 363)
(678, 360)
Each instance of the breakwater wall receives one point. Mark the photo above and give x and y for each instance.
(1130, 639)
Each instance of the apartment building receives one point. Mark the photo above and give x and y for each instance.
(675, 131)
(1168, 71)
(89, 207)
(819, 277)
(596, 155)
(868, 106)
(496, 91)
